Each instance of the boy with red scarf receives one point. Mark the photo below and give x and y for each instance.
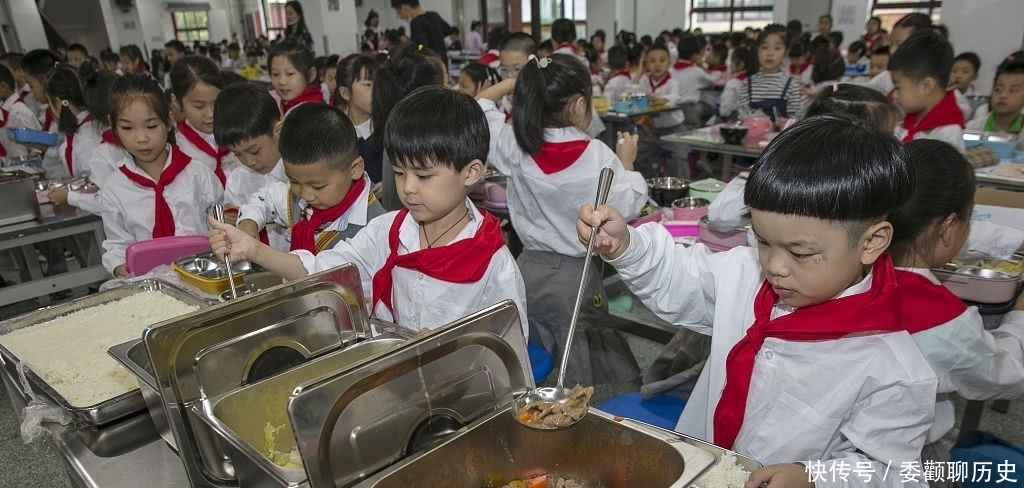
(439, 258)
(920, 74)
(811, 359)
(328, 197)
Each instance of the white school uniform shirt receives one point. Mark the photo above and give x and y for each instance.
(976, 363)
(616, 86)
(326, 92)
(691, 80)
(729, 102)
(669, 90)
(29, 100)
(270, 207)
(365, 129)
(858, 399)
(18, 115)
(964, 103)
(423, 302)
(229, 163)
(87, 139)
(729, 211)
(543, 207)
(951, 134)
(53, 161)
(101, 163)
(882, 83)
(128, 209)
(244, 184)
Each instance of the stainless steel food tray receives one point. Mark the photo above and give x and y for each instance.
(108, 410)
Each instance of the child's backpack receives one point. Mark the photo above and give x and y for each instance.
(982, 460)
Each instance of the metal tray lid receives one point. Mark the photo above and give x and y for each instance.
(363, 419)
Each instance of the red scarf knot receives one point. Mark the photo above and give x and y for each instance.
(553, 157)
(947, 112)
(312, 93)
(304, 231)
(163, 218)
(462, 261)
(217, 153)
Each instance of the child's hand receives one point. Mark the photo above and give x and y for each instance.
(227, 240)
(121, 272)
(498, 91)
(1019, 305)
(789, 475)
(612, 235)
(780, 123)
(625, 148)
(59, 196)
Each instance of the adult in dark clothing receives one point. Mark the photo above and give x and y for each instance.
(297, 24)
(426, 28)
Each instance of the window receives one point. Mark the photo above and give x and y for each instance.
(276, 22)
(730, 15)
(190, 26)
(890, 11)
(575, 10)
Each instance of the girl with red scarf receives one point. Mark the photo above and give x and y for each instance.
(157, 192)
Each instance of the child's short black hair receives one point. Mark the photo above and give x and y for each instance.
(109, 56)
(314, 132)
(925, 54)
(828, 65)
(435, 126)
(943, 185)
(658, 46)
(135, 86)
(38, 63)
(176, 45)
(399, 3)
(836, 37)
(746, 56)
(6, 76)
(547, 45)
(970, 57)
(297, 53)
(618, 58)
(243, 112)
(720, 50)
(520, 42)
(687, 47)
(858, 47)
(132, 51)
(915, 20)
(796, 50)
(405, 71)
(12, 59)
(880, 50)
(355, 68)
(480, 74)
(832, 168)
(80, 48)
(190, 71)
(634, 54)
(96, 86)
(773, 29)
(863, 103)
(563, 30)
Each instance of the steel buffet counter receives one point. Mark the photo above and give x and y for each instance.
(20, 239)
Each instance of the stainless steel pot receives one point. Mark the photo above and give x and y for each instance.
(666, 190)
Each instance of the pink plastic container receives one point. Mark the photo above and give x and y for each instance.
(757, 125)
(721, 241)
(690, 208)
(655, 216)
(143, 256)
(682, 228)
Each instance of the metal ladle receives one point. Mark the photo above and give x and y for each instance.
(218, 213)
(559, 393)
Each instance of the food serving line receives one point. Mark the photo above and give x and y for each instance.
(295, 386)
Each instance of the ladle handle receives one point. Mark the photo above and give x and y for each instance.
(218, 213)
(604, 185)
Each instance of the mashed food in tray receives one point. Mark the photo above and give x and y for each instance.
(70, 352)
(726, 473)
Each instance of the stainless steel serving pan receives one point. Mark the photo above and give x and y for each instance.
(108, 410)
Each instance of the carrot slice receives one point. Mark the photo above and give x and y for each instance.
(537, 482)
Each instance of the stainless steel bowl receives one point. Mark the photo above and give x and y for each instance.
(690, 202)
(666, 190)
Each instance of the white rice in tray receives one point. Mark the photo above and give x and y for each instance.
(70, 352)
(726, 473)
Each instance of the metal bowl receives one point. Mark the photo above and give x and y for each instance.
(690, 202)
(733, 134)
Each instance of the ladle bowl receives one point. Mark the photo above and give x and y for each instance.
(559, 394)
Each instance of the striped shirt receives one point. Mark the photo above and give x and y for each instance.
(769, 86)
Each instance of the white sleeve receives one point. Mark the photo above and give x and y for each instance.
(208, 190)
(980, 117)
(367, 250)
(90, 202)
(114, 228)
(951, 134)
(21, 116)
(268, 205)
(234, 188)
(499, 131)
(729, 101)
(729, 209)
(629, 188)
(674, 282)
(505, 282)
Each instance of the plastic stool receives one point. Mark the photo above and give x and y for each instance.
(540, 361)
(662, 410)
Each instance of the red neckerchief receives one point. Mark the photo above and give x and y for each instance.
(623, 72)
(48, 119)
(681, 65)
(304, 231)
(163, 218)
(140, 68)
(489, 58)
(553, 157)
(108, 137)
(799, 70)
(68, 151)
(312, 93)
(879, 309)
(718, 67)
(3, 123)
(463, 261)
(742, 75)
(655, 85)
(25, 92)
(918, 294)
(947, 112)
(218, 154)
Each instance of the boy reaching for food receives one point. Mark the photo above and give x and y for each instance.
(811, 361)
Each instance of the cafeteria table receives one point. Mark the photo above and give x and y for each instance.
(707, 140)
(22, 238)
(990, 176)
